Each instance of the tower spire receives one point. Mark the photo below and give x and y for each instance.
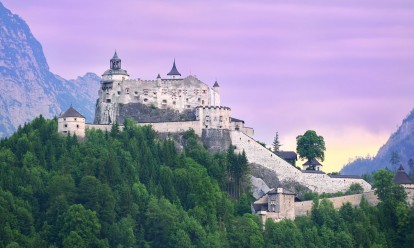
(115, 63)
(174, 72)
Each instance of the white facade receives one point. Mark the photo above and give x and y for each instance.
(212, 117)
(72, 125)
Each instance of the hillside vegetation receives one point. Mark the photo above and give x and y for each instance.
(129, 189)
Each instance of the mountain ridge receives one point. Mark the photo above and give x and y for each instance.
(27, 86)
(400, 142)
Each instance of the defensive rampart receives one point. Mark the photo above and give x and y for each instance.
(317, 182)
(305, 207)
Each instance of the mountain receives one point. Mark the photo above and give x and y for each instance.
(27, 86)
(401, 142)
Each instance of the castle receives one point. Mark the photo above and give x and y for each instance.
(176, 104)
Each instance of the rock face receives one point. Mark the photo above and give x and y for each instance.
(216, 140)
(401, 142)
(145, 114)
(27, 87)
(259, 187)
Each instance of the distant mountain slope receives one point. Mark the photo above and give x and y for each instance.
(401, 142)
(27, 87)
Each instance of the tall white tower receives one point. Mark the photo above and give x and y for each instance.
(215, 96)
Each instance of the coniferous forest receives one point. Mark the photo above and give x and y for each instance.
(130, 189)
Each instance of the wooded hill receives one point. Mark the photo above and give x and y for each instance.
(130, 189)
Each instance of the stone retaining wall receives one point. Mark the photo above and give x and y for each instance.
(320, 183)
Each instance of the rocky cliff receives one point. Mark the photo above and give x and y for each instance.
(400, 142)
(27, 87)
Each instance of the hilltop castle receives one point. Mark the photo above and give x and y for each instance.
(175, 104)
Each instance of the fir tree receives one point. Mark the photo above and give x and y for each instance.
(276, 143)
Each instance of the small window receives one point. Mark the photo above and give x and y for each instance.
(204, 91)
(65, 131)
(119, 92)
(76, 119)
(77, 126)
(188, 106)
(108, 100)
(127, 90)
(145, 100)
(66, 125)
(174, 102)
(136, 92)
(64, 119)
(186, 99)
(202, 102)
(164, 101)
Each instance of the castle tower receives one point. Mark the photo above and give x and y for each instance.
(115, 72)
(174, 74)
(215, 95)
(115, 63)
(72, 122)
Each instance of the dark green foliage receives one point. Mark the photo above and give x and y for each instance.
(310, 145)
(128, 189)
(276, 143)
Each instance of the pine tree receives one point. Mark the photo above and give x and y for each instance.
(276, 143)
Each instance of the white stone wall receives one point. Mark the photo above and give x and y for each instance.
(239, 126)
(214, 117)
(162, 127)
(215, 96)
(177, 94)
(72, 125)
(305, 207)
(316, 182)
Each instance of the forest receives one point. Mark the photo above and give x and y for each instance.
(132, 189)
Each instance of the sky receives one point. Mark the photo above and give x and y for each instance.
(342, 68)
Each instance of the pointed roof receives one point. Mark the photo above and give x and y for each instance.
(174, 71)
(216, 84)
(401, 177)
(158, 76)
(115, 56)
(312, 162)
(71, 112)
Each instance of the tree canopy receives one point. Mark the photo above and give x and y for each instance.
(310, 146)
(130, 189)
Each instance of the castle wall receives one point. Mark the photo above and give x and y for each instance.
(176, 94)
(320, 183)
(305, 207)
(162, 127)
(214, 117)
(72, 125)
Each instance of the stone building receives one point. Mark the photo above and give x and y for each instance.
(402, 178)
(72, 122)
(289, 156)
(277, 204)
(313, 163)
(177, 98)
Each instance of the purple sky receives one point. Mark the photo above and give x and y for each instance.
(342, 68)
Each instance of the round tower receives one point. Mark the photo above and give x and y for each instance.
(115, 71)
(215, 96)
(72, 122)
